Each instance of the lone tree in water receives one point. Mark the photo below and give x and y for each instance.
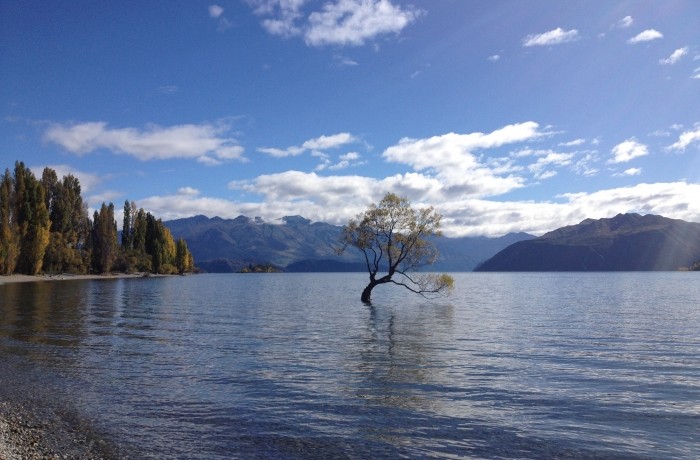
(393, 237)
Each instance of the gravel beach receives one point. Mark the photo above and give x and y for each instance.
(28, 435)
(35, 421)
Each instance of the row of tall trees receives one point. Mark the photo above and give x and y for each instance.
(45, 227)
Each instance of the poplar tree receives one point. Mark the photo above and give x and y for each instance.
(183, 259)
(104, 239)
(68, 215)
(32, 220)
(9, 235)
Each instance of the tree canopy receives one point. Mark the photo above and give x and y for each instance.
(44, 227)
(394, 238)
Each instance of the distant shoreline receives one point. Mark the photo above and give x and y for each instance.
(11, 279)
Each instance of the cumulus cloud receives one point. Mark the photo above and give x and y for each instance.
(675, 56)
(353, 22)
(341, 22)
(553, 37)
(494, 58)
(646, 36)
(335, 199)
(626, 151)
(206, 143)
(189, 191)
(685, 139)
(450, 160)
(494, 218)
(316, 146)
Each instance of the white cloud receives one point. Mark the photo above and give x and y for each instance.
(350, 156)
(685, 139)
(675, 56)
(549, 159)
(281, 15)
(625, 22)
(450, 160)
(632, 171)
(353, 22)
(206, 143)
(189, 191)
(585, 166)
(495, 218)
(553, 37)
(696, 74)
(647, 35)
(281, 153)
(215, 11)
(574, 143)
(494, 58)
(329, 142)
(336, 199)
(626, 151)
(346, 160)
(340, 22)
(316, 146)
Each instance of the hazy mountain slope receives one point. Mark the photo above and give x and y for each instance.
(242, 238)
(224, 245)
(625, 242)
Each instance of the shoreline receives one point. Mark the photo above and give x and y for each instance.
(11, 279)
(31, 433)
(37, 421)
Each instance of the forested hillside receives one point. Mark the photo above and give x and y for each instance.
(45, 228)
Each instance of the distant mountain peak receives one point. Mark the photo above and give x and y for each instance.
(228, 244)
(296, 220)
(624, 242)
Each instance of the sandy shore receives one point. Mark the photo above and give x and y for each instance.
(63, 277)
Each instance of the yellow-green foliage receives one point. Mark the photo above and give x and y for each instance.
(44, 226)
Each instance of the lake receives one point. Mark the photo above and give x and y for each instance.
(516, 365)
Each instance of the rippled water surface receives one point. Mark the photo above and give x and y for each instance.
(295, 366)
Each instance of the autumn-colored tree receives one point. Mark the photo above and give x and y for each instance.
(68, 215)
(32, 219)
(9, 235)
(44, 226)
(183, 259)
(104, 239)
(394, 237)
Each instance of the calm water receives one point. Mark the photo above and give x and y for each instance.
(294, 366)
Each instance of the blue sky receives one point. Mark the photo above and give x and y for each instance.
(504, 115)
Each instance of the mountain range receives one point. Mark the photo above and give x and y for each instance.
(626, 242)
(294, 243)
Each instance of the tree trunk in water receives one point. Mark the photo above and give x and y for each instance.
(367, 293)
